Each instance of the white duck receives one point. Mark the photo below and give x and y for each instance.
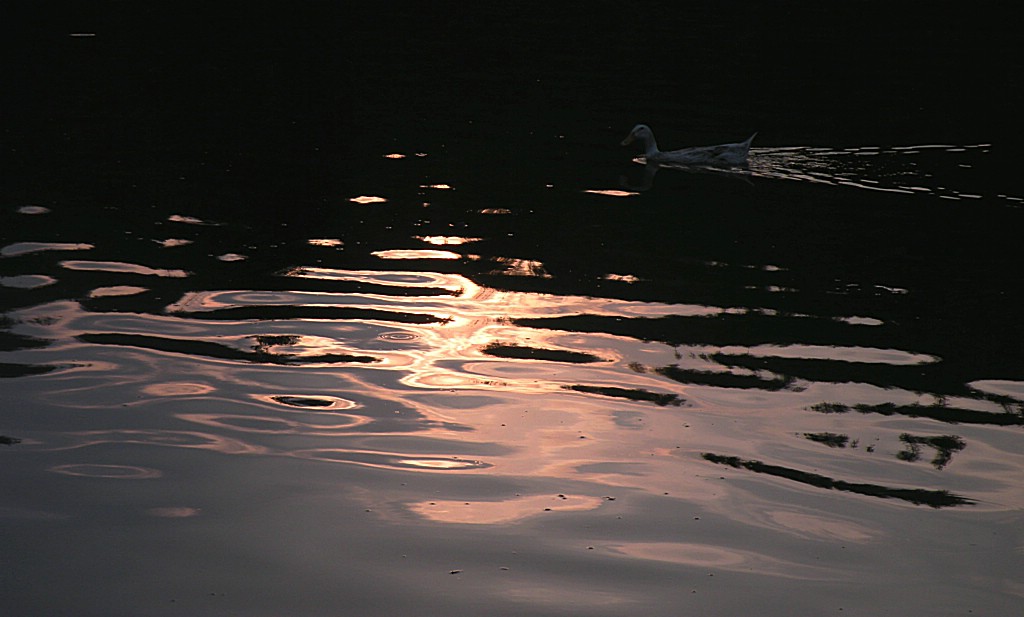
(724, 155)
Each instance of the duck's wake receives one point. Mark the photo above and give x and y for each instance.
(912, 170)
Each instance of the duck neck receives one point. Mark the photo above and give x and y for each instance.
(650, 146)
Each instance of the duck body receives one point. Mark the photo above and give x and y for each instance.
(724, 155)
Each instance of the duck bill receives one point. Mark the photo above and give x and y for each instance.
(628, 140)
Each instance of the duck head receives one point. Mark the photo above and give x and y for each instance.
(644, 135)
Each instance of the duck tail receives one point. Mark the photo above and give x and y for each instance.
(750, 139)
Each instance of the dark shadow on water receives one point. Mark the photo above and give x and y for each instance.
(265, 312)
(832, 440)
(8, 369)
(909, 377)
(216, 350)
(723, 380)
(944, 445)
(942, 413)
(523, 352)
(935, 499)
(12, 342)
(645, 396)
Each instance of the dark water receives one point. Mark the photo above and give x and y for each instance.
(314, 312)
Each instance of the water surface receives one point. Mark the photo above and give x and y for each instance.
(402, 328)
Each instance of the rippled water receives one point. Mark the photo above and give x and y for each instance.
(570, 386)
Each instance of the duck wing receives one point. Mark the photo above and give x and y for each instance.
(729, 154)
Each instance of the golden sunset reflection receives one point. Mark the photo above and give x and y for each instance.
(399, 155)
(415, 254)
(327, 242)
(456, 383)
(390, 460)
(438, 464)
(611, 192)
(367, 309)
(173, 242)
(368, 199)
(188, 220)
(116, 290)
(451, 352)
(471, 300)
(624, 278)
(311, 346)
(521, 267)
(446, 240)
(396, 278)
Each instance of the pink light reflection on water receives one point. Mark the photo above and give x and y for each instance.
(722, 558)
(23, 248)
(122, 267)
(476, 412)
